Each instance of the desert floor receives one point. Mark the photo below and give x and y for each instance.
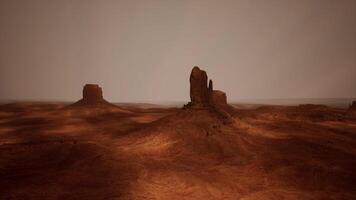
(52, 151)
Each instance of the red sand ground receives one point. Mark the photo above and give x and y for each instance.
(47, 152)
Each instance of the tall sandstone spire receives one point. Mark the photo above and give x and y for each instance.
(201, 94)
(210, 85)
(198, 87)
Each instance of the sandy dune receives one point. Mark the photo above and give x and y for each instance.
(50, 151)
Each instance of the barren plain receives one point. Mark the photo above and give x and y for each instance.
(55, 151)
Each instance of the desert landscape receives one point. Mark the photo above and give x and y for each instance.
(207, 149)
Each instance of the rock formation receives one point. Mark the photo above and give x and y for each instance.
(92, 95)
(218, 98)
(203, 95)
(353, 106)
(198, 88)
(210, 86)
(93, 102)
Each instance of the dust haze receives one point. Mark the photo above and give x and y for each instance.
(140, 51)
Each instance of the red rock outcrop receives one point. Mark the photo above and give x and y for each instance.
(210, 86)
(92, 96)
(198, 88)
(218, 98)
(353, 106)
(202, 95)
(92, 93)
(93, 102)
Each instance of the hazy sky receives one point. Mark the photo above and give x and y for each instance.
(143, 51)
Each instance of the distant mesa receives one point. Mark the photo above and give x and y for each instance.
(93, 103)
(92, 96)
